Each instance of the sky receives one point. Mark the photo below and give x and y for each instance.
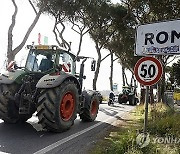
(44, 26)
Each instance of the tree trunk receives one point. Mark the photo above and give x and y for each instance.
(98, 67)
(159, 92)
(111, 73)
(151, 95)
(123, 74)
(80, 44)
(11, 53)
(142, 98)
(126, 81)
(59, 34)
(161, 83)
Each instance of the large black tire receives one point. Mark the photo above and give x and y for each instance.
(121, 99)
(57, 107)
(132, 100)
(136, 101)
(9, 109)
(90, 107)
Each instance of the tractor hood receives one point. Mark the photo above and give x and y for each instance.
(8, 77)
(51, 81)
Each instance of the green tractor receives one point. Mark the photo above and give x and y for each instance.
(50, 86)
(128, 95)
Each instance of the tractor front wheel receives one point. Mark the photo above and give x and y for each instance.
(57, 107)
(90, 108)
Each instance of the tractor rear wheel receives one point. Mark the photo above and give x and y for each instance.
(57, 107)
(90, 108)
(9, 110)
(132, 100)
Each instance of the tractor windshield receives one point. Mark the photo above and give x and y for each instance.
(40, 60)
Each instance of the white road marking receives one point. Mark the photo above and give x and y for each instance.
(3, 152)
(60, 142)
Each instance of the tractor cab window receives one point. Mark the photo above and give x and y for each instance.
(40, 61)
(67, 63)
(126, 90)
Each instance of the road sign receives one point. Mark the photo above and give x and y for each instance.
(148, 71)
(161, 38)
(115, 87)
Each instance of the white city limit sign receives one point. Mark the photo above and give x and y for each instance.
(162, 38)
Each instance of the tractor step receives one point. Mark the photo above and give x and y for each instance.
(24, 106)
(23, 110)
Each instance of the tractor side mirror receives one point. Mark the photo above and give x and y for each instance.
(77, 59)
(93, 65)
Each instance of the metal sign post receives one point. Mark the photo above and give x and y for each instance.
(146, 110)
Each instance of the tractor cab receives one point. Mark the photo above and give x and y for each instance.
(48, 59)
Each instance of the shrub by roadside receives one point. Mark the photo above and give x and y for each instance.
(163, 122)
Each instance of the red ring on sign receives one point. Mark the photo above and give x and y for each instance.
(160, 71)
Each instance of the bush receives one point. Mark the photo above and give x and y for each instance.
(177, 96)
(124, 142)
(121, 141)
(163, 121)
(168, 124)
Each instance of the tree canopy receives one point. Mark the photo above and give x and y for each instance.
(113, 26)
(174, 73)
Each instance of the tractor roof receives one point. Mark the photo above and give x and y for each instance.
(49, 47)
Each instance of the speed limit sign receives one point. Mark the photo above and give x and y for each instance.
(148, 71)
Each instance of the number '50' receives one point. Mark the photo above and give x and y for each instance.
(148, 71)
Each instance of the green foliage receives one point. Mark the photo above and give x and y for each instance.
(166, 124)
(122, 41)
(123, 141)
(100, 22)
(154, 10)
(139, 111)
(144, 11)
(162, 121)
(175, 75)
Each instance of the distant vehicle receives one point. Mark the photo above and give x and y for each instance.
(111, 98)
(128, 95)
(111, 102)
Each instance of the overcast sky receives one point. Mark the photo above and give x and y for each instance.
(44, 26)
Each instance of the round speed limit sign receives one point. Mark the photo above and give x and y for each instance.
(148, 71)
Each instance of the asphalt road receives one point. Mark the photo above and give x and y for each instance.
(29, 138)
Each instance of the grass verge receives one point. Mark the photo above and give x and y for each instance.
(163, 127)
